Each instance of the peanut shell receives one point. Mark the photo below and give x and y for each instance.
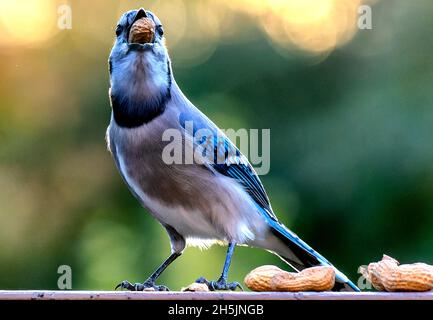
(142, 31)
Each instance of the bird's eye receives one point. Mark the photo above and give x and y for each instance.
(160, 30)
(118, 30)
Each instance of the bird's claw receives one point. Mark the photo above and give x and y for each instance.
(220, 284)
(141, 286)
(128, 286)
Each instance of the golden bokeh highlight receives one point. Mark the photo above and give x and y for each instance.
(174, 16)
(193, 28)
(27, 22)
(311, 25)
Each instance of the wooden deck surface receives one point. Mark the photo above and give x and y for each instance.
(125, 295)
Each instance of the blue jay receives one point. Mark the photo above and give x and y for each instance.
(198, 203)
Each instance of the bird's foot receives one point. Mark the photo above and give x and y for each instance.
(220, 284)
(147, 285)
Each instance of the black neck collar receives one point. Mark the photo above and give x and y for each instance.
(132, 113)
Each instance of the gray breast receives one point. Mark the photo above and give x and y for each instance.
(195, 201)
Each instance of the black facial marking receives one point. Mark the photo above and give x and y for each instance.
(119, 30)
(160, 30)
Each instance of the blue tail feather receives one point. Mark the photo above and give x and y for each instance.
(307, 256)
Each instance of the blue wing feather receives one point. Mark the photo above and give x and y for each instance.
(229, 161)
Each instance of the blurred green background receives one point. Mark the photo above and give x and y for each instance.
(350, 113)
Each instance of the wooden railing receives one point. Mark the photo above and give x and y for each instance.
(125, 295)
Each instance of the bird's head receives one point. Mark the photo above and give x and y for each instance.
(139, 65)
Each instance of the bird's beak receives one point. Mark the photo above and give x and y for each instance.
(141, 34)
(141, 13)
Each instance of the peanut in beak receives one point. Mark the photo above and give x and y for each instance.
(142, 31)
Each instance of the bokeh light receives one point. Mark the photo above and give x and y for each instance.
(350, 113)
(27, 22)
(194, 28)
(311, 25)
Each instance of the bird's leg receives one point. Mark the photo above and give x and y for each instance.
(150, 282)
(221, 283)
